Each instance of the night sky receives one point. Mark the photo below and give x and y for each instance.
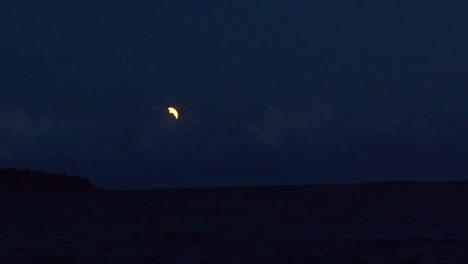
(285, 92)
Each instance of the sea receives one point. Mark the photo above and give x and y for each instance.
(390, 222)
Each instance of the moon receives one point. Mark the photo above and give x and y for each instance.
(173, 112)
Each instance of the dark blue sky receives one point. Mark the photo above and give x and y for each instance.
(288, 92)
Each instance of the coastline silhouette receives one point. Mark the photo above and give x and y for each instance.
(14, 179)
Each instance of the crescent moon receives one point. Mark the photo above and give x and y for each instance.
(173, 112)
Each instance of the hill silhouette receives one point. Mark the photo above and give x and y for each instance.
(14, 179)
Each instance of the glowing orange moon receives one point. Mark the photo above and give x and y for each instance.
(173, 112)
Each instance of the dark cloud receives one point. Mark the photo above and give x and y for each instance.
(316, 133)
(285, 124)
(44, 137)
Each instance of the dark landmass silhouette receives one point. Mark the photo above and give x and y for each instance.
(14, 179)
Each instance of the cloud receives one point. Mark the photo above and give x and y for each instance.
(282, 125)
(160, 133)
(313, 131)
(26, 137)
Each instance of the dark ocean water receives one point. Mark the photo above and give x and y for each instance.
(367, 223)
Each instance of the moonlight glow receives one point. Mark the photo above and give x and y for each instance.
(173, 112)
